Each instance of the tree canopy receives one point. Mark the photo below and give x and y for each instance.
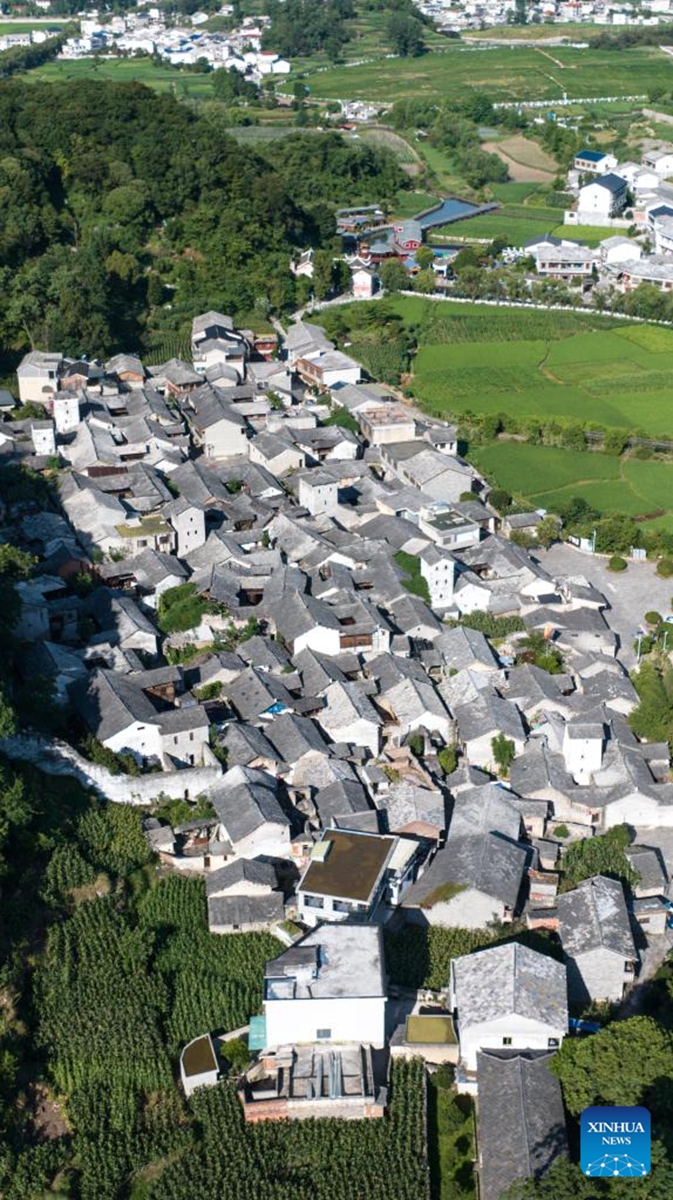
(116, 198)
(600, 855)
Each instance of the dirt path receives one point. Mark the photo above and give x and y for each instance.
(550, 57)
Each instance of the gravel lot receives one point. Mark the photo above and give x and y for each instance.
(630, 594)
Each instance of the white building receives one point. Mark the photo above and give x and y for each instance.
(189, 522)
(438, 569)
(387, 423)
(654, 268)
(659, 161)
(663, 235)
(508, 997)
(595, 931)
(37, 374)
(326, 368)
(614, 251)
(65, 411)
(605, 196)
(330, 987)
(345, 877)
(250, 814)
(198, 1064)
(349, 716)
(318, 492)
(594, 162)
(44, 437)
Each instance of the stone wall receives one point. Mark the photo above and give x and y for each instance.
(55, 757)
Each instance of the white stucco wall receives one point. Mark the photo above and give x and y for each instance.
(470, 909)
(323, 641)
(356, 1019)
(269, 839)
(598, 973)
(525, 1034)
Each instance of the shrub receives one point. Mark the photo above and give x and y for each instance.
(617, 563)
(562, 831)
(653, 618)
(448, 759)
(503, 752)
(499, 499)
(181, 608)
(665, 568)
(416, 743)
(237, 1054)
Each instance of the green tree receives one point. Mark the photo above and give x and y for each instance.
(653, 717)
(424, 257)
(548, 530)
(600, 855)
(393, 276)
(504, 750)
(405, 34)
(619, 1065)
(539, 650)
(500, 500)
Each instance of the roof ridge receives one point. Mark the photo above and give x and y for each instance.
(524, 1117)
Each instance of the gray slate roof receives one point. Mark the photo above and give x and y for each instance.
(241, 871)
(245, 800)
(245, 910)
(510, 979)
(520, 1118)
(593, 917)
(487, 863)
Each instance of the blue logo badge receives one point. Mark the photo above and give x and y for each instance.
(615, 1142)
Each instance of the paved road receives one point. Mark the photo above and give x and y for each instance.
(630, 594)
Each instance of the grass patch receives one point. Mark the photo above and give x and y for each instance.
(413, 581)
(513, 193)
(591, 235)
(609, 374)
(443, 893)
(431, 1030)
(408, 204)
(517, 223)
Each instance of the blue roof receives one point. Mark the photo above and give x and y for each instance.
(591, 155)
(664, 210)
(257, 1033)
(614, 183)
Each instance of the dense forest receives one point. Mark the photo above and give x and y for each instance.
(123, 213)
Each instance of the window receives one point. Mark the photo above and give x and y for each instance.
(552, 1043)
(507, 1041)
(191, 737)
(323, 1033)
(175, 739)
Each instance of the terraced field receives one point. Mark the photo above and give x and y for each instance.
(545, 477)
(621, 377)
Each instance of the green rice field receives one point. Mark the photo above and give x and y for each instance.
(123, 70)
(546, 476)
(516, 72)
(474, 359)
